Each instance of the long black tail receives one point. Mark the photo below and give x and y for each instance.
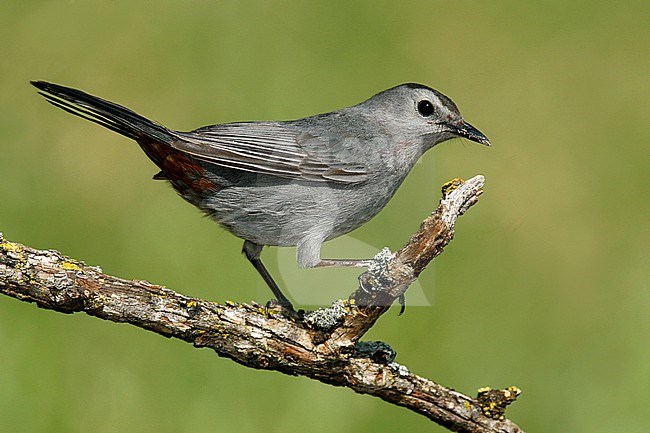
(105, 113)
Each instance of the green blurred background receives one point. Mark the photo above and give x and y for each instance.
(545, 286)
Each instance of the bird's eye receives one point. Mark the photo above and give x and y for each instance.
(425, 108)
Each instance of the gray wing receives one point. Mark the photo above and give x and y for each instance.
(271, 148)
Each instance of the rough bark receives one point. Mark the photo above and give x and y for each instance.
(322, 344)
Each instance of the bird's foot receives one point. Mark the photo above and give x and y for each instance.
(284, 307)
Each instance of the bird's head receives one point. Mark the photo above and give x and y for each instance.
(420, 111)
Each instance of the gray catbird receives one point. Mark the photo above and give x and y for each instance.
(290, 183)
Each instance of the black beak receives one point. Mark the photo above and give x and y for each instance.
(465, 130)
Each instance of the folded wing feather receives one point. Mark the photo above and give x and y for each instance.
(269, 148)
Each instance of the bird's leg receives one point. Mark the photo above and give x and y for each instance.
(308, 255)
(353, 263)
(252, 252)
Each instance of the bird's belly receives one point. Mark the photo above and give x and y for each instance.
(283, 214)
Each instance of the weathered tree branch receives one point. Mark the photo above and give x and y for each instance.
(322, 345)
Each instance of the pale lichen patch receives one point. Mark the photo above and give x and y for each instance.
(15, 251)
(70, 266)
